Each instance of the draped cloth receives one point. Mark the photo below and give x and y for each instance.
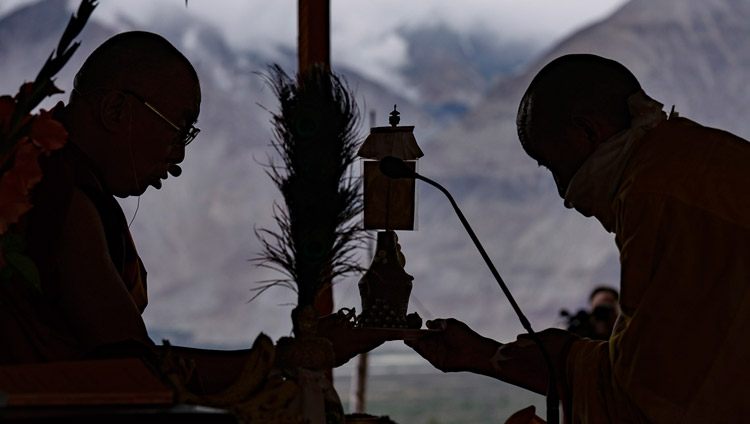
(594, 185)
(32, 328)
(679, 353)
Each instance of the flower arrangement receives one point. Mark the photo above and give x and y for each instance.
(24, 137)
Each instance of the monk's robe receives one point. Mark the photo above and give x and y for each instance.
(681, 351)
(32, 326)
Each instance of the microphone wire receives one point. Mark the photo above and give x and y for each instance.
(396, 168)
(132, 162)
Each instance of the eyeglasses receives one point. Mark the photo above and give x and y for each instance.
(187, 134)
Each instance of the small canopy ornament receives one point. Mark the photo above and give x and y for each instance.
(389, 204)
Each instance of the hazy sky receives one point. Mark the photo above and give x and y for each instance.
(363, 31)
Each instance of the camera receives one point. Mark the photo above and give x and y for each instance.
(595, 325)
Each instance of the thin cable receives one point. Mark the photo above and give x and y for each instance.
(137, 205)
(553, 398)
(396, 168)
(132, 161)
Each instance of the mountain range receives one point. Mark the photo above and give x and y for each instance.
(687, 53)
(196, 234)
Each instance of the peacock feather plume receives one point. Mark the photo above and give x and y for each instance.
(316, 138)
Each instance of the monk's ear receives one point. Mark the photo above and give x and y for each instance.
(113, 110)
(588, 128)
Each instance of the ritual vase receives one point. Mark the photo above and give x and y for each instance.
(385, 287)
(305, 359)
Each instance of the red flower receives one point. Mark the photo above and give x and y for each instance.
(16, 184)
(46, 133)
(44, 136)
(25, 90)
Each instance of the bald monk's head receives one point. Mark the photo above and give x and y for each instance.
(572, 105)
(132, 111)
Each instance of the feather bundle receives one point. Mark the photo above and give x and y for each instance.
(316, 137)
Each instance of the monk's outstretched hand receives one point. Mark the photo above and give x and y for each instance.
(455, 347)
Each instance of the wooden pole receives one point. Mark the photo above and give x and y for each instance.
(314, 42)
(358, 391)
(358, 394)
(314, 47)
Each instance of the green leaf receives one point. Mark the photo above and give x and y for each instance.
(6, 273)
(25, 267)
(12, 243)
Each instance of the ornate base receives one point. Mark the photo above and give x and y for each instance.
(314, 353)
(385, 287)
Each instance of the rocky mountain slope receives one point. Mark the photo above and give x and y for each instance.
(196, 234)
(691, 54)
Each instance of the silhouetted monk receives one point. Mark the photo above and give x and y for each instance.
(677, 196)
(130, 116)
